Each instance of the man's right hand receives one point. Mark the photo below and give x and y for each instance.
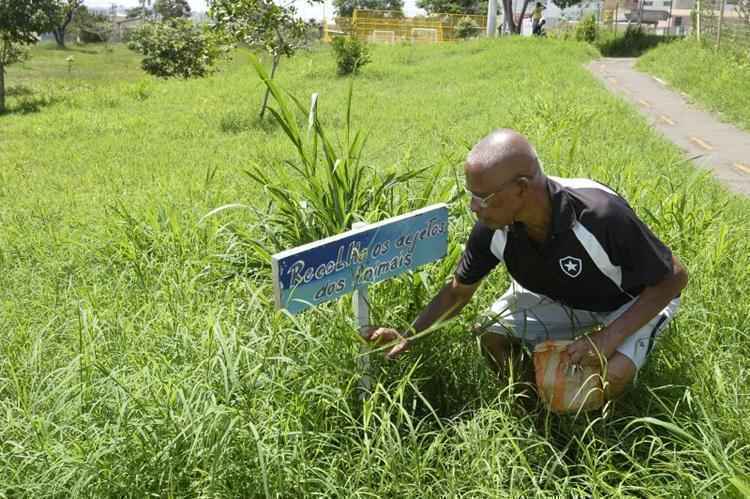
(385, 335)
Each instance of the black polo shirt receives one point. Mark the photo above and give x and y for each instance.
(598, 255)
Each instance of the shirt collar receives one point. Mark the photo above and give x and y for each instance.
(563, 212)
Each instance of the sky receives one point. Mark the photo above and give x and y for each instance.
(306, 11)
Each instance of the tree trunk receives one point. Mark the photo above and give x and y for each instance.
(520, 19)
(59, 33)
(508, 21)
(274, 65)
(276, 59)
(2, 88)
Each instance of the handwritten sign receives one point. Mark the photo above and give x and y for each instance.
(330, 268)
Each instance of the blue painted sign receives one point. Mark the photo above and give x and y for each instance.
(330, 268)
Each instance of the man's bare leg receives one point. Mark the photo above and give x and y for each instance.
(502, 351)
(620, 372)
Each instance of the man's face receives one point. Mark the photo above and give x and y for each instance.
(495, 196)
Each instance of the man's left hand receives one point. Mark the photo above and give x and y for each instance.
(594, 348)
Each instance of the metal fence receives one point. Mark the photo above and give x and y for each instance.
(724, 24)
(383, 26)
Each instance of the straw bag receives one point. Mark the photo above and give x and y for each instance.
(565, 388)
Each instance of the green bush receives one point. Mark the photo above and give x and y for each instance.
(350, 53)
(632, 44)
(175, 48)
(586, 30)
(466, 27)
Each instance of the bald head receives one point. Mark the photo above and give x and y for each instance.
(507, 184)
(504, 153)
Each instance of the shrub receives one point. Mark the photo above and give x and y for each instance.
(466, 27)
(586, 30)
(175, 48)
(235, 121)
(632, 44)
(350, 53)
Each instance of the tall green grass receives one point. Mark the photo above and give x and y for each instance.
(714, 80)
(142, 355)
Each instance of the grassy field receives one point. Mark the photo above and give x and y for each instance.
(142, 354)
(717, 81)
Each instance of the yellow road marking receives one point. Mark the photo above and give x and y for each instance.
(742, 167)
(701, 143)
(644, 103)
(666, 119)
(612, 80)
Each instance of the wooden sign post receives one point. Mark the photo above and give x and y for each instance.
(324, 270)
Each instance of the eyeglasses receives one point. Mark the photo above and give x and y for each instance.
(484, 201)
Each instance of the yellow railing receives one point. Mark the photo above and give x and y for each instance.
(383, 26)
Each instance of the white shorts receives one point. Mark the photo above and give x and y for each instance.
(534, 318)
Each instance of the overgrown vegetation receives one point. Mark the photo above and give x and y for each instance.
(346, 8)
(262, 25)
(587, 30)
(714, 79)
(67, 11)
(20, 21)
(466, 28)
(350, 53)
(176, 48)
(634, 42)
(91, 27)
(142, 354)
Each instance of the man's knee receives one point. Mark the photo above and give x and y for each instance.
(620, 372)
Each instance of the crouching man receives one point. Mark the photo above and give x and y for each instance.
(579, 259)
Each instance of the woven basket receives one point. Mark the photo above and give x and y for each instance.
(565, 388)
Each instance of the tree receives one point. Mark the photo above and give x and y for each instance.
(453, 6)
(169, 9)
(175, 48)
(20, 22)
(136, 12)
(91, 26)
(513, 24)
(263, 24)
(67, 11)
(350, 53)
(345, 8)
(466, 28)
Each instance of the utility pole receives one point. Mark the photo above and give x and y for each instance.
(492, 19)
(640, 13)
(617, 5)
(669, 24)
(698, 20)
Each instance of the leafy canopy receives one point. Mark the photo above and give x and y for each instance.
(260, 23)
(453, 6)
(345, 8)
(21, 21)
(169, 9)
(175, 48)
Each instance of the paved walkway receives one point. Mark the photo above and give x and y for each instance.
(725, 149)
